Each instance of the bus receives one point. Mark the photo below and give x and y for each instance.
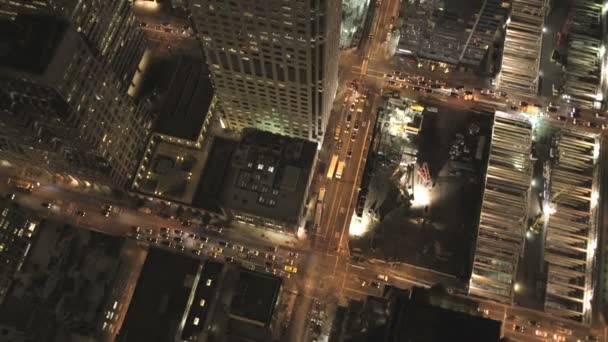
(339, 170)
(21, 185)
(321, 197)
(318, 213)
(332, 167)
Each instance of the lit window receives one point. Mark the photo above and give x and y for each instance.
(271, 169)
(195, 321)
(201, 303)
(208, 283)
(260, 166)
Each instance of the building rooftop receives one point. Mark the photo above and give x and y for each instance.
(160, 297)
(28, 43)
(209, 191)
(186, 101)
(254, 296)
(268, 175)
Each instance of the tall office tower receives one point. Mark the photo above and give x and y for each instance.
(274, 63)
(63, 111)
(109, 26)
(521, 53)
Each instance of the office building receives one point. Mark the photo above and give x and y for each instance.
(450, 32)
(273, 64)
(267, 182)
(64, 112)
(109, 27)
(17, 230)
(413, 315)
(522, 47)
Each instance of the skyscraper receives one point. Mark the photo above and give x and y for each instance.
(273, 63)
(64, 113)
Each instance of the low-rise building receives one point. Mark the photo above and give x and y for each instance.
(268, 179)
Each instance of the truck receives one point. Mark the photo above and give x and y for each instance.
(340, 169)
(332, 166)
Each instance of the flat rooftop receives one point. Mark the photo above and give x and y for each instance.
(160, 297)
(255, 296)
(209, 190)
(268, 175)
(187, 100)
(29, 42)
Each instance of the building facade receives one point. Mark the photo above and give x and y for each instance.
(274, 65)
(64, 112)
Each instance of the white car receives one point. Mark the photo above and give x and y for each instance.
(382, 277)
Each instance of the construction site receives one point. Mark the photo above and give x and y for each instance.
(421, 189)
(537, 237)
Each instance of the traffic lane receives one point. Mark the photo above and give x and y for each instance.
(120, 223)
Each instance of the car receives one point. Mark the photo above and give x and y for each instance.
(353, 137)
(179, 247)
(214, 255)
(552, 109)
(374, 284)
(352, 108)
(356, 126)
(269, 264)
(254, 252)
(107, 210)
(575, 112)
(149, 231)
(201, 245)
(523, 104)
(239, 248)
(81, 213)
(293, 254)
(561, 118)
(339, 144)
(136, 229)
(291, 269)
(166, 243)
(349, 153)
(223, 243)
(229, 259)
(349, 117)
(534, 323)
(164, 230)
(218, 249)
(600, 115)
(289, 261)
(540, 333)
(363, 283)
(186, 223)
(382, 277)
(46, 205)
(178, 232)
(202, 238)
(11, 196)
(516, 327)
(453, 94)
(152, 240)
(164, 236)
(514, 107)
(195, 251)
(178, 239)
(270, 256)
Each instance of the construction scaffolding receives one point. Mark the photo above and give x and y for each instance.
(522, 48)
(571, 233)
(504, 209)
